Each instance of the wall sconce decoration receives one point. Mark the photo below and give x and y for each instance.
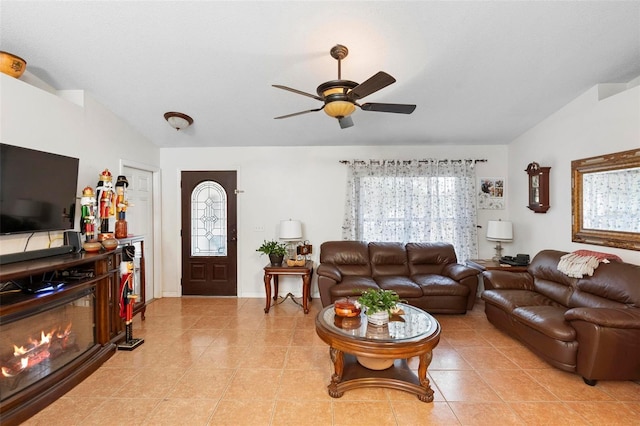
(499, 231)
(178, 120)
(538, 187)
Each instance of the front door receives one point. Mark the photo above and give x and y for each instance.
(209, 242)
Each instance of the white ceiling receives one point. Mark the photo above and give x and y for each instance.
(479, 72)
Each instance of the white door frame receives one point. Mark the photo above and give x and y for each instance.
(157, 221)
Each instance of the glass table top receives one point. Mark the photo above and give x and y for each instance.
(414, 323)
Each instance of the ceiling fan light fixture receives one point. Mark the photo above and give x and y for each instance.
(178, 120)
(333, 91)
(337, 109)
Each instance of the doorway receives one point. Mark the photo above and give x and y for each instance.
(140, 219)
(209, 234)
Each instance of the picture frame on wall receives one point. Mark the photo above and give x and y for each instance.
(491, 193)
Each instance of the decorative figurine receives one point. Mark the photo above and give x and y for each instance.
(88, 213)
(127, 298)
(121, 206)
(106, 198)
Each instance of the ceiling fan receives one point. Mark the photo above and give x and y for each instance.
(341, 97)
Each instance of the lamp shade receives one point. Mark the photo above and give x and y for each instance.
(290, 230)
(339, 108)
(499, 230)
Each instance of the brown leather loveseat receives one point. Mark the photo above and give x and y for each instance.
(425, 275)
(589, 325)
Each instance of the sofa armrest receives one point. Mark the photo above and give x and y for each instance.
(498, 279)
(330, 271)
(608, 347)
(459, 272)
(606, 317)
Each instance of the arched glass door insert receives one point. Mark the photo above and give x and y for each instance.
(208, 220)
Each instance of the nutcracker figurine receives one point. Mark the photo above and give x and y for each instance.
(121, 207)
(88, 213)
(127, 298)
(106, 200)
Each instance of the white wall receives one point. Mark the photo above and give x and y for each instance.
(584, 128)
(308, 183)
(68, 123)
(305, 183)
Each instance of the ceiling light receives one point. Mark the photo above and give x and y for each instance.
(178, 120)
(339, 109)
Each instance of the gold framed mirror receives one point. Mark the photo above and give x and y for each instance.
(605, 201)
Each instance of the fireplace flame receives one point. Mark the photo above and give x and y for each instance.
(35, 352)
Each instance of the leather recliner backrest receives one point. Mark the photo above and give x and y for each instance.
(547, 280)
(350, 257)
(429, 258)
(388, 259)
(614, 284)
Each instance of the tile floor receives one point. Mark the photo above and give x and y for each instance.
(222, 361)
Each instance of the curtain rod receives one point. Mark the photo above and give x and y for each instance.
(477, 160)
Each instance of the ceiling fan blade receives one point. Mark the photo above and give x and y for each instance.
(379, 81)
(299, 113)
(299, 92)
(345, 122)
(397, 108)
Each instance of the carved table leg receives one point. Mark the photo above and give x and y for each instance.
(337, 357)
(267, 289)
(275, 286)
(306, 290)
(425, 360)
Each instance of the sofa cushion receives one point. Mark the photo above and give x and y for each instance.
(352, 286)
(429, 258)
(439, 285)
(404, 286)
(350, 257)
(388, 258)
(548, 280)
(510, 299)
(618, 282)
(548, 320)
(558, 292)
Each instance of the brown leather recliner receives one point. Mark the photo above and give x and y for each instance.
(425, 275)
(590, 325)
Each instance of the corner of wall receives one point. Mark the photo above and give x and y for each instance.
(74, 96)
(610, 89)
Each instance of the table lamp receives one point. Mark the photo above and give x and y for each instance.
(499, 231)
(290, 231)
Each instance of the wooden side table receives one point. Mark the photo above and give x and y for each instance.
(275, 271)
(488, 264)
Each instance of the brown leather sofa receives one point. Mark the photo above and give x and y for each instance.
(589, 325)
(425, 275)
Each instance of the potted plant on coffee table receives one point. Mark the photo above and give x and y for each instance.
(379, 304)
(275, 250)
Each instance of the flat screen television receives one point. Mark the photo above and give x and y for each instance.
(37, 190)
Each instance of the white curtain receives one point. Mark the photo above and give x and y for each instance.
(413, 201)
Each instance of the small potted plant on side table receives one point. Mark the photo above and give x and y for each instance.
(274, 250)
(379, 304)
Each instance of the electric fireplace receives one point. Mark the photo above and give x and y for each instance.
(57, 330)
(36, 344)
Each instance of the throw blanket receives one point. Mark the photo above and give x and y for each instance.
(583, 262)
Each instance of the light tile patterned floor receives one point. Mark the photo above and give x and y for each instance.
(222, 361)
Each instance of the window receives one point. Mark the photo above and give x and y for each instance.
(208, 220)
(416, 201)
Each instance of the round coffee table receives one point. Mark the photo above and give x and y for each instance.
(414, 333)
